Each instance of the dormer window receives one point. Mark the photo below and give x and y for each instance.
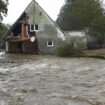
(33, 27)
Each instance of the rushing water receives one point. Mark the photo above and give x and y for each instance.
(50, 80)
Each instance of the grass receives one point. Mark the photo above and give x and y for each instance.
(99, 53)
(68, 50)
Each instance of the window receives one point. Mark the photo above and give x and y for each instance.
(40, 13)
(36, 26)
(33, 27)
(50, 43)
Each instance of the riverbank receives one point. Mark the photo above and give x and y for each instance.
(99, 53)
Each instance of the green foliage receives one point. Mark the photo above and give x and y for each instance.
(97, 29)
(98, 24)
(67, 50)
(3, 9)
(3, 29)
(77, 14)
(94, 54)
(63, 19)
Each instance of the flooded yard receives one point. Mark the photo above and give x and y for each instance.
(51, 80)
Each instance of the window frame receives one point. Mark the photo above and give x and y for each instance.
(50, 45)
(34, 26)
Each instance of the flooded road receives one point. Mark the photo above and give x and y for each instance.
(50, 80)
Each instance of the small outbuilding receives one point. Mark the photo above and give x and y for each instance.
(77, 38)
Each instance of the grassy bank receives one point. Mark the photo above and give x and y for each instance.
(99, 53)
(68, 50)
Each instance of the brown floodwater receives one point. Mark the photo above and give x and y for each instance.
(51, 80)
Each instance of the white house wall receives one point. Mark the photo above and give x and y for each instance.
(34, 11)
(47, 29)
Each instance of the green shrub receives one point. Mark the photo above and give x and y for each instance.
(68, 50)
(93, 54)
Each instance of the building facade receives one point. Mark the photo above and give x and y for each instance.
(34, 32)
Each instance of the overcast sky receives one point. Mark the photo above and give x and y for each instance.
(16, 7)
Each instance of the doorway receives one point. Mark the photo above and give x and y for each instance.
(20, 47)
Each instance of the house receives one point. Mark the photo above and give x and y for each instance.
(77, 38)
(34, 32)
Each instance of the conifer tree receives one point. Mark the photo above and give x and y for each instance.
(77, 14)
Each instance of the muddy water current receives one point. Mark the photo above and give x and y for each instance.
(50, 80)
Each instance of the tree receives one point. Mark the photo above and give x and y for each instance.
(77, 14)
(97, 29)
(3, 9)
(3, 29)
(63, 19)
(84, 11)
